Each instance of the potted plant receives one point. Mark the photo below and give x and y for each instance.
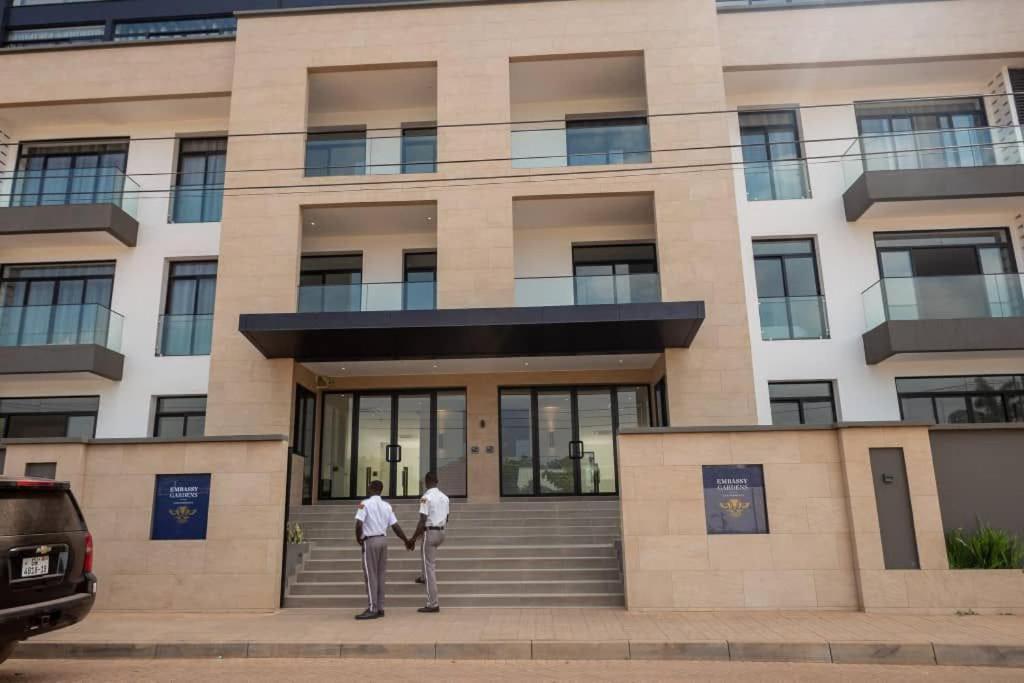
(297, 547)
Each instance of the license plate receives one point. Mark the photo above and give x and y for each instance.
(35, 566)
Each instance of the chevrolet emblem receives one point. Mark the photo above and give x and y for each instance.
(43, 550)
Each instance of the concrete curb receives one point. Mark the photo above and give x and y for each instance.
(855, 652)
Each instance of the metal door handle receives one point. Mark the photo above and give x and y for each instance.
(576, 450)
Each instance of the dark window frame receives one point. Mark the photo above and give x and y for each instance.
(584, 121)
(302, 418)
(212, 186)
(1006, 245)
(801, 400)
(407, 284)
(47, 150)
(186, 415)
(1003, 394)
(412, 132)
(168, 300)
(182, 34)
(5, 417)
(764, 131)
(787, 295)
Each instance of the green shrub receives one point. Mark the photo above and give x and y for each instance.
(295, 534)
(986, 548)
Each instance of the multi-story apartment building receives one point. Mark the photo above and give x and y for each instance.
(484, 237)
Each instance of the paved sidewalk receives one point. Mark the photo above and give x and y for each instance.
(548, 634)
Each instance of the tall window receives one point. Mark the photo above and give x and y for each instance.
(594, 141)
(178, 416)
(772, 157)
(60, 303)
(56, 173)
(187, 324)
(331, 283)
(925, 134)
(55, 35)
(802, 403)
(199, 188)
(64, 416)
(788, 290)
(616, 273)
(420, 281)
(959, 400)
(175, 28)
(303, 437)
(419, 150)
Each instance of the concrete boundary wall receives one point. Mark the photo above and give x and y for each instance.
(237, 567)
(824, 548)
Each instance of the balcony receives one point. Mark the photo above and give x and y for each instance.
(346, 153)
(944, 314)
(601, 142)
(184, 335)
(375, 296)
(793, 317)
(777, 180)
(638, 288)
(894, 170)
(61, 338)
(87, 202)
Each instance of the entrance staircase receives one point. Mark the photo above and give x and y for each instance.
(516, 553)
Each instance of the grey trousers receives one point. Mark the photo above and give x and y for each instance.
(375, 567)
(432, 540)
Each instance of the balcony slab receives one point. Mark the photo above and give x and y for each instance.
(475, 332)
(930, 185)
(942, 336)
(89, 358)
(107, 219)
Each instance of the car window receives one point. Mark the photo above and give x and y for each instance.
(38, 512)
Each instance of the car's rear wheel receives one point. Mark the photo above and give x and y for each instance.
(6, 650)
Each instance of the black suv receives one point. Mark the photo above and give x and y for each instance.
(46, 579)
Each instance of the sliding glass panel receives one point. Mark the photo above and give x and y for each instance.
(516, 444)
(336, 446)
(597, 466)
(414, 440)
(374, 438)
(451, 443)
(554, 432)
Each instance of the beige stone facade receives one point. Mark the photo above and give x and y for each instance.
(824, 549)
(236, 568)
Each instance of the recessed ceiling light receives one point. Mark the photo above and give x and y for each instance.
(526, 362)
(435, 365)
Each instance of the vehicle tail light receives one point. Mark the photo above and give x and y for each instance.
(87, 563)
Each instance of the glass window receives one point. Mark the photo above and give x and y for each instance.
(420, 277)
(55, 35)
(516, 443)
(303, 437)
(772, 157)
(65, 416)
(199, 187)
(336, 153)
(331, 283)
(187, 323)
(59, 173)
(616, 273)
(788, 290)
(594, 141)
(633, 407)
(799, 403)
(961, 400)
(175, 28)
(419, 150)
(180, 416)
(451, 442)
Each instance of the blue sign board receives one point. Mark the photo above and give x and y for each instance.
(181, 507)
(734, 499)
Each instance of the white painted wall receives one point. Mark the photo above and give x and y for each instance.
(383, 254)
(547, 252)
(846, 251)
(139, 282)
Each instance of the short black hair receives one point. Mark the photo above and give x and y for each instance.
(376, 486)
(430, 477)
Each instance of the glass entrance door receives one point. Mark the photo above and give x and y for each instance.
(396, 437)
(561, 442)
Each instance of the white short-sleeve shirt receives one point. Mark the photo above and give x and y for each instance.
(434, 504)
(376, 515)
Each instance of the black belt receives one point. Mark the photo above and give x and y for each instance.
(374, 536)
(435, 528)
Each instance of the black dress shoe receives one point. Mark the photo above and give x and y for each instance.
(420, 579)
(368, 615)
(380, 613)
(429, 610)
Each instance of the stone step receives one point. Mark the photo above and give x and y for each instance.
(460, 523)
(464, 587)
(482, 600)
(456, 540)
(448, 562)
(351, 551)
(456, 575)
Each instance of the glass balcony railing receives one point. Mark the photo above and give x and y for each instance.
(774, 180)
(60, 187)
(61, 325)
(793, 317)
(588, 290)
(948, 148)
(196, 204)
(338, 154)
(944, 298)
(184, 335)
(376, 296)
(586, 146)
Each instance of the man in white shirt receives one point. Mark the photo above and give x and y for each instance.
(434, 507)
(373, 519)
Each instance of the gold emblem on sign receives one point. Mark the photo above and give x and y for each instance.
(43, 550)
(735, 507)
(182, 514)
